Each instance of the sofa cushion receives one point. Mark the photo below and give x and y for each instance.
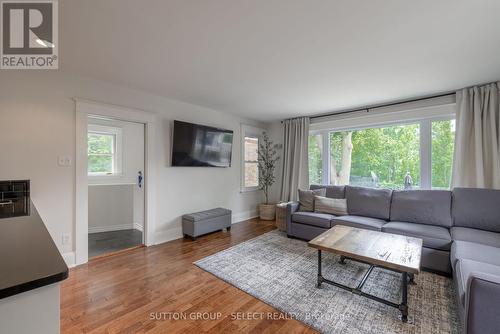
(432, 207)
(368, 202)
(435, 237)
(473, 251)
(359, 222)
(313, 218)
(305, 232)
(436, 260)
(334, 206)
(331, 191)
(476, 208)
(465, 268)
(306, 198)
(475, 235)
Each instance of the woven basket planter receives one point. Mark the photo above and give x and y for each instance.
(281, 216)
(267, 211)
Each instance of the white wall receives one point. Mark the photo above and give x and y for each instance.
(37, 124)
(111, 207)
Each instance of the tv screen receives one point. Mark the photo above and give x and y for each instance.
(201, 146)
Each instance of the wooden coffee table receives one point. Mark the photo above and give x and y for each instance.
(378, 249)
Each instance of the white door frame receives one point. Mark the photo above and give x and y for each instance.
(84, 109)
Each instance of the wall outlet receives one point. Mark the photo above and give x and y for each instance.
(66, 239)
(64, 160)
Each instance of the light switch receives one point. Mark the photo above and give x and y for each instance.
(64, 160)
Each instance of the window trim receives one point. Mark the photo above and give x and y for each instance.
(247, 131)
(414, 111)
(425, 126)
(117, 156)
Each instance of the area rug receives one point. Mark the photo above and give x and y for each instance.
(282, 273)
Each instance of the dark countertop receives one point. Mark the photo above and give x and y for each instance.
(29, 259)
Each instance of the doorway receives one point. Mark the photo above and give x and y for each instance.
(85, 110)
(115, 167)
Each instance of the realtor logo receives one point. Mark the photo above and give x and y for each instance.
(29, 35)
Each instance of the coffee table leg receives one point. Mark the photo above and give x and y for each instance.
(342, 260)
(320, 277)
(403, 307)
(411, 279)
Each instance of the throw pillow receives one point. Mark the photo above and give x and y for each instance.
(334, 206)
(306, 198)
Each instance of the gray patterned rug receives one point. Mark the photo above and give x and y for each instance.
(282, 273)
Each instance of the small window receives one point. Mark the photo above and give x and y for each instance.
(250, 161)
(104, 151)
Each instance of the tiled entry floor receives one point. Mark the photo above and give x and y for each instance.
(107, 242)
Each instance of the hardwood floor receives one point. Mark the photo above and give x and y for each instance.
(104, 243)
(147, 290)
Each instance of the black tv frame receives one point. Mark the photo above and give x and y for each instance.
(205, 127)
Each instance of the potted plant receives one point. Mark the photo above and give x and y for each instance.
(268, 158)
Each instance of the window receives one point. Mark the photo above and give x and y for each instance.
(251, 162)
(250, 154)
(443, 142)
(315, 159)
(385, 157)
(401, 156)
(104, 150)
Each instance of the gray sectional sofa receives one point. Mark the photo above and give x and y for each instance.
(460, 230)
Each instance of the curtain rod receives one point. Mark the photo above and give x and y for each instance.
(367, 109)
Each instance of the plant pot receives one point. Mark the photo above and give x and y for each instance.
(267, 211)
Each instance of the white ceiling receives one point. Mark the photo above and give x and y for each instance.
(274, 59)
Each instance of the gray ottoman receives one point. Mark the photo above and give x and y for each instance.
(199, 223)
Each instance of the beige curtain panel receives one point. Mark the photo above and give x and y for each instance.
(295, 158)
(477, 142)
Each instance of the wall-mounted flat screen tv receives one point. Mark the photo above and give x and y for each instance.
(197, 145)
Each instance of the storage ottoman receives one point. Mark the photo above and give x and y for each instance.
(203, 222)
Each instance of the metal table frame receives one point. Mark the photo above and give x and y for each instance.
(407, 278)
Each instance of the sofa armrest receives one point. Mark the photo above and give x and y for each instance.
(482, 303)
(291, 207)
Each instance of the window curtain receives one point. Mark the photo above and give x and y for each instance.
(295, 158)
(477, 140)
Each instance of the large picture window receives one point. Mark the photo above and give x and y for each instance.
(378, 157)
(413, 155)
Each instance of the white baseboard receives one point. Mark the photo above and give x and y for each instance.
(168, 235)
(245, 215)
(69, 258)
(98, 229)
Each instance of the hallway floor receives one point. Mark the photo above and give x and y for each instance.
(108, 242)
